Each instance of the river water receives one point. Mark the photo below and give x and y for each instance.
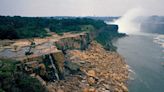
(144, 54)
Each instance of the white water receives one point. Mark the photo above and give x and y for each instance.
(144, 57)
(160, 40)
(129, 22)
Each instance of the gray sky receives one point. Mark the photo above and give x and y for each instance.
(78, 7)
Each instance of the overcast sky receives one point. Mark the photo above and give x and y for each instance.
(78, 7)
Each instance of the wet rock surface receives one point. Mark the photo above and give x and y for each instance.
(101, 71)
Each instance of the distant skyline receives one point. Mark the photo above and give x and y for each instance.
(78, 7)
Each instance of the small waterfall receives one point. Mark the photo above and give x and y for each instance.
(54, 67)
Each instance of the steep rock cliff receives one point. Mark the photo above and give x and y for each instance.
(80, 42)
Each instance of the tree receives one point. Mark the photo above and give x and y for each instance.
(12, 80)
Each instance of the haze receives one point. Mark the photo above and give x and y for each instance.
(78, 7)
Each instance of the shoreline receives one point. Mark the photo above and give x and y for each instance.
(102, 71)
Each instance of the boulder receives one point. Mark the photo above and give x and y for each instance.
(92, 89)
(124, 88)
(91, 80)
(85, 90)
(60, 90)
(91, 73)
(73, 68)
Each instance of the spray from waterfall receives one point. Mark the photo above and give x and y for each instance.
(130, 22)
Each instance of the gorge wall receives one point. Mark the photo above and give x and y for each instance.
(51, 66)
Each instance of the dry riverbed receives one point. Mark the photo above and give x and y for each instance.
(102, 71)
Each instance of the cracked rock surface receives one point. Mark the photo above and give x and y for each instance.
(102, 71)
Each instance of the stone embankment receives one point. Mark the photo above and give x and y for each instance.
(94, 70)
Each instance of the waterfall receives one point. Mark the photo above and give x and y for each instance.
(130, 22)
(54, 67)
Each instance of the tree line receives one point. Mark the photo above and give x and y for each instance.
(26, 27)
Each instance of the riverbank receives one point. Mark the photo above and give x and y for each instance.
(100, 71)
(145, 58)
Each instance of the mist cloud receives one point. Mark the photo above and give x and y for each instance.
(129, 22)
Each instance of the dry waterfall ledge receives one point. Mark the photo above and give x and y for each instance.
(64, 63)
(102, 71)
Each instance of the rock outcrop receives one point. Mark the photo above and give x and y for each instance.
(50, 67)
(102, 71)
(80, 42)
(79, 65)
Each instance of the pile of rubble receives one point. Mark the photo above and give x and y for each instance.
(101, 71)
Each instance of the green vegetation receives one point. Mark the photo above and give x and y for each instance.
(106, 35)
(26, 27)
(21, 27)
(77, 24)
(12, 80)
